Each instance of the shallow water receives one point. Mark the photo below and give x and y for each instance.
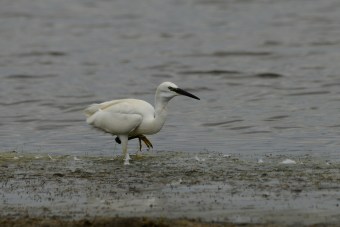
(267, 73)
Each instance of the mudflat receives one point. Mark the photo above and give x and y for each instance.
(167, 189)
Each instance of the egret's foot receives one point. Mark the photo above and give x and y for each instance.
(126, 162)
(140, 138)
(146, 141)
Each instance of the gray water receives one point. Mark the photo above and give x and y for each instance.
(267, 73)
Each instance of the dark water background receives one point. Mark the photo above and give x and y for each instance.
(267, 73)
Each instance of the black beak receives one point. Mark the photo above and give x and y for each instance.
(182, 92)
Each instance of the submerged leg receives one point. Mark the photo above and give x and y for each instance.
(124, 141)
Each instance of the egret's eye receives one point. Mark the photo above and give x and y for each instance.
(171, 88)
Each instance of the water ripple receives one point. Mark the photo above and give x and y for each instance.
(268, 75)
(275, 118)
(20, 102)
(310, 93)
(223, 54)
(220, 123)
(43, 53)
(209, 72)
(27, 76)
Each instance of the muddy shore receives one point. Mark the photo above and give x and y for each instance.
(163, 188)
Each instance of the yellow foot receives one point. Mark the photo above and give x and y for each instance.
(145, 140)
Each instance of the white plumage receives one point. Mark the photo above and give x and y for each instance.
(133, 118)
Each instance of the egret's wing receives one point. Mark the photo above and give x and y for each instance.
(116, 117)
(93, 108)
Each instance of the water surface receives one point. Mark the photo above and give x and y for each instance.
(267, 73)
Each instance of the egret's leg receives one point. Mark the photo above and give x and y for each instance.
(140, 148)
(114, 151)
(140, 138)
(124, 140)
(146, 141)
(140, 144)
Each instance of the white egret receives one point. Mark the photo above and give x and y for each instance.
(134, 118)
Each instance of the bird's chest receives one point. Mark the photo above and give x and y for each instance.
(146, 128)
(149, 126)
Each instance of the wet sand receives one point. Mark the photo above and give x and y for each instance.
(122, 222)
(169, 187)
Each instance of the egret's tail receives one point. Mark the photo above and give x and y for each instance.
(91, 109)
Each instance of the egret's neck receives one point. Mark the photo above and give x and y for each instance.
(161, 106)
(161, 103)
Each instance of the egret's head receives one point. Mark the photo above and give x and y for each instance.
(170, 90)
